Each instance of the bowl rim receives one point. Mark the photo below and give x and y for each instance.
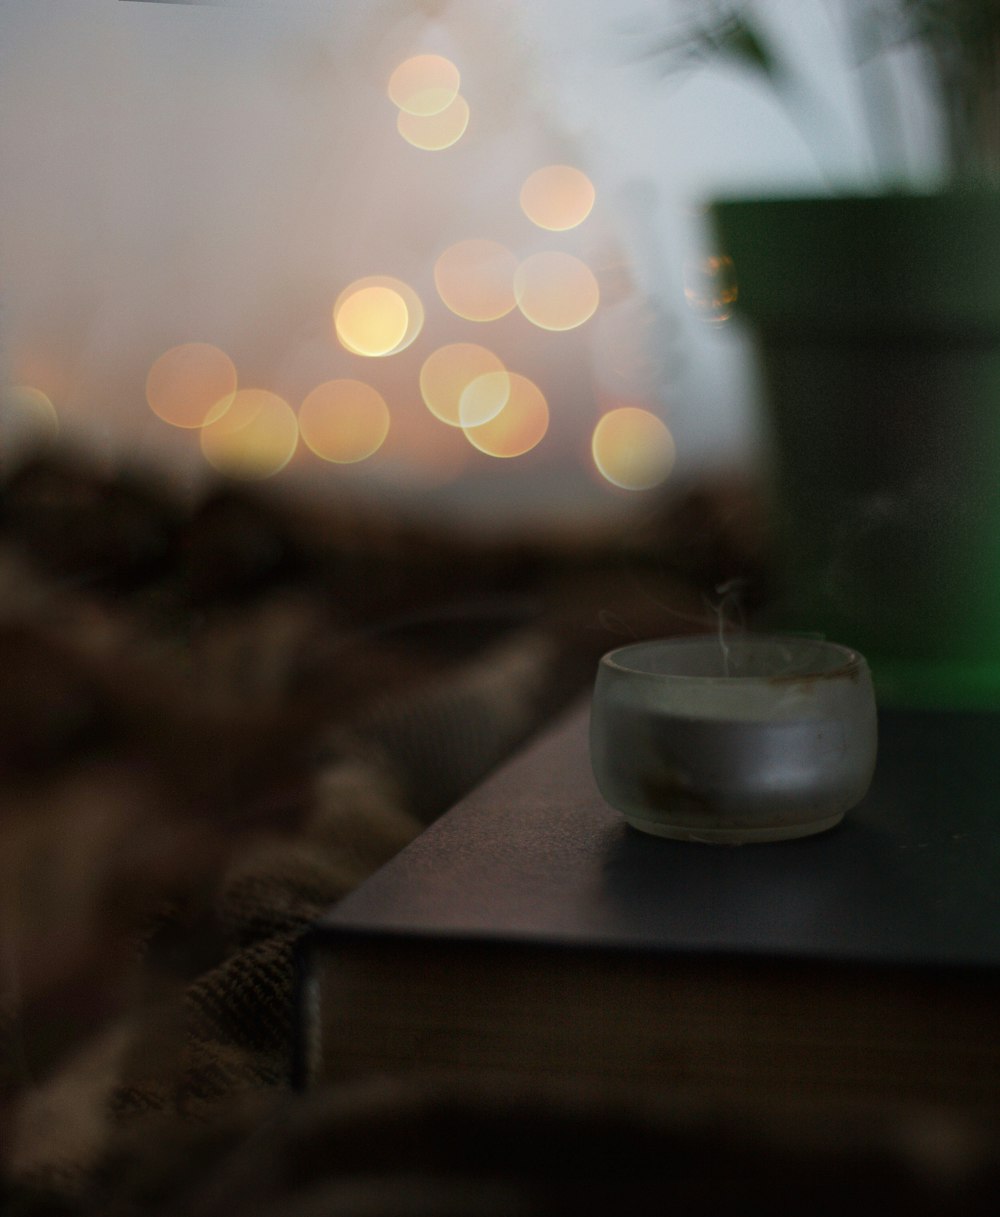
(852, 662)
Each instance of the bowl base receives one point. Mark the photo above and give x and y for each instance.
(732, 835)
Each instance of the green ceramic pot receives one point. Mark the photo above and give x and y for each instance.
(877, 324)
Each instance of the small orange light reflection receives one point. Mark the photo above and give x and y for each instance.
(519, 426)
(377, 316)
(344, 421)
(448, 372)
(557, 197)
(475, 279)
(28, 421)
(424, 84)
(556, 291)
(710, 288)
(254, 439)
(435, 132)
(191, 384)
(633, 449)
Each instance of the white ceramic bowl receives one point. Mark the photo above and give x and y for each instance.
(760, 739)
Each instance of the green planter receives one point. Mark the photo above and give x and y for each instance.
(877, 323)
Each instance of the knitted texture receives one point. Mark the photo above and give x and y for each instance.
(215, 721)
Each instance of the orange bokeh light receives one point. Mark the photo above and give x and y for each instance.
(557, 197)
(435, 132)
(475, 279)
(191, 384)
(483, 398)
(520, 426)
(424, 84)
(377, 316)
(344, 421)
(632, 448)
(254, 439)
(556, 291)
(447, 374)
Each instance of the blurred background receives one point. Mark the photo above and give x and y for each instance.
(451, 256)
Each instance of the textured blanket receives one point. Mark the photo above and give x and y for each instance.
(217, 718)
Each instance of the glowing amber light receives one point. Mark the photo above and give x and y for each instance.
(484, 398)
(450, 370)
(519, 426)
(556, 291)
(372, 321)
(557, 197)
(344, 421)
(710, 288)
(632, 448)
(424, 84)
(254, 439)
(435, 132)
(377, 316)
(191, 384)
(28, 420)
(475, 279)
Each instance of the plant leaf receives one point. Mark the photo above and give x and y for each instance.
(742, 41)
